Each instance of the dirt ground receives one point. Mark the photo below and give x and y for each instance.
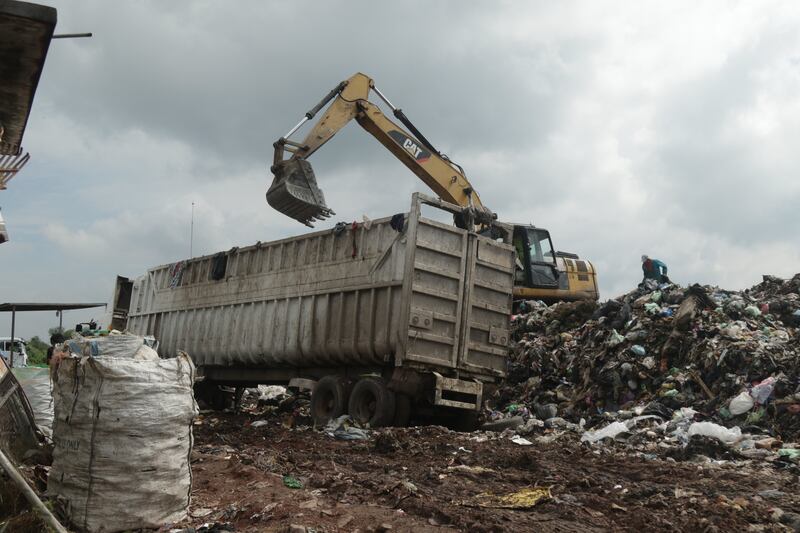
(434, 479)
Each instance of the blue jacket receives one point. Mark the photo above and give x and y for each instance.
(654, 269)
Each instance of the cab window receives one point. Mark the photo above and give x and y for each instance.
(547, 248)
(542, 260)
(541, 247)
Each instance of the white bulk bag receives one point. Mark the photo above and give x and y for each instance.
(122, 438)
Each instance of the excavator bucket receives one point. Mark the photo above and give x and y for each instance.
(294, 192)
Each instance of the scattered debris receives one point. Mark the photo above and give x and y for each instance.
(292, 482)
(521, 499)
(344, 428)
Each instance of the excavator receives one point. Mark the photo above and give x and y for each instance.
(542, 273)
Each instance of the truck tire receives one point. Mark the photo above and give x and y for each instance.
(372, 403)
(329, 399)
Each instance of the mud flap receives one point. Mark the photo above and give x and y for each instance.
(458, 393)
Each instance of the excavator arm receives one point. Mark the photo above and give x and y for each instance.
(294, 190)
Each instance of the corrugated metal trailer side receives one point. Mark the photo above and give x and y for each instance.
(321, 299)
(428, 298)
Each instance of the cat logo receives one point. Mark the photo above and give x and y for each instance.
(411, 146)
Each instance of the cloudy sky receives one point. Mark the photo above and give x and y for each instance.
(623, 127)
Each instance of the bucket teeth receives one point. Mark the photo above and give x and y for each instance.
(294, 192)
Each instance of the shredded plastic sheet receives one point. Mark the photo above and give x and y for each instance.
(122, 440)
(522, 499)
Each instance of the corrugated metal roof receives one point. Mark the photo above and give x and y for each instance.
(23, 306)
(25, 33)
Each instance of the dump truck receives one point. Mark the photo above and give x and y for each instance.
(380, 318)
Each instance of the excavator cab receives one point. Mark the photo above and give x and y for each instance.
(295, 193)
(537, 265)
(548, 275)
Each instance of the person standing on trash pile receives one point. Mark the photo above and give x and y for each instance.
(654, 269)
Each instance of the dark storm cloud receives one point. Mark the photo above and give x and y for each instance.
(625, 129)
(231, 80)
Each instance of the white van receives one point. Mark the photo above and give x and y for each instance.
(20, 355)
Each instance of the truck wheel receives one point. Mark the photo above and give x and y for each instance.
(329, 399)
(372, 403)
(402, 410)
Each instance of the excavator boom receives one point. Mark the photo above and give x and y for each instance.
(294, 190)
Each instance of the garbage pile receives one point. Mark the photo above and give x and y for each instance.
(663, 354)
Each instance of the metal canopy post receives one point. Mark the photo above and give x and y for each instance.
(13, 321)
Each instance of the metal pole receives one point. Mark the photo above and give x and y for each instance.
(13, 321)
(71, 35)
(383, 97)
(191, 233)
(291, 131)
(31, 496)
(60, 320)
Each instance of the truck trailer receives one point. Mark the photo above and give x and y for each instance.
(378, 318)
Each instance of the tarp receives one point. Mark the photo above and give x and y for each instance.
(35, 383)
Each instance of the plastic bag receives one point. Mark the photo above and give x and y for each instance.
(752, 311)
(655, 296)
(609, 432)
(614, 338)
(638, 349)
(762, 392)
(741, 403)
(710, 429)
(684, 413)
(652, 308)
